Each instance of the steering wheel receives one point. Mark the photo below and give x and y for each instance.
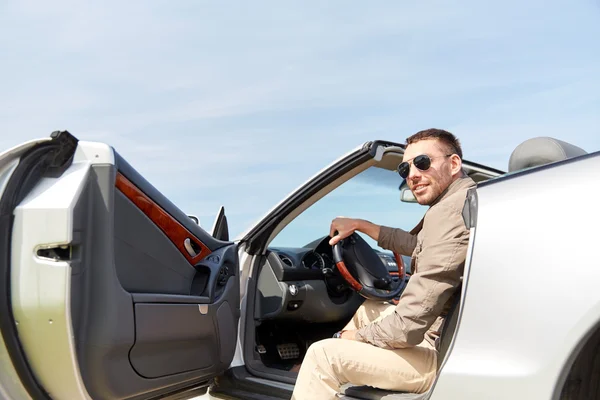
(364, 271)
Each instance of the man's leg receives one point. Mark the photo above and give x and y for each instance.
(369, 311)
(331, 363)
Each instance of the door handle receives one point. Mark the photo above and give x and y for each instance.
(187, 244)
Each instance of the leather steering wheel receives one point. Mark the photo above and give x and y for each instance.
(364, 271)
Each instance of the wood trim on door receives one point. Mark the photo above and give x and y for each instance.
(176, 232)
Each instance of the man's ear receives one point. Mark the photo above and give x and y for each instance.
(455, 165)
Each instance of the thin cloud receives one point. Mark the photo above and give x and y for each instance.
(239, 105)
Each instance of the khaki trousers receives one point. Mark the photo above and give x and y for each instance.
(331, 363)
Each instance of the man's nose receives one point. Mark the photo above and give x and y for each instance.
(413, 172)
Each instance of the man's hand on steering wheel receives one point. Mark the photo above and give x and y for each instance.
(341, 228)
(360, 265)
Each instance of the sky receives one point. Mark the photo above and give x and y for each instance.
(238, 103)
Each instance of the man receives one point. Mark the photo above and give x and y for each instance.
(394, 347)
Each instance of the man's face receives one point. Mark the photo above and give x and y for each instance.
(428, 185)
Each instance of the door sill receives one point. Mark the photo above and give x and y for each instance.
(238, 383)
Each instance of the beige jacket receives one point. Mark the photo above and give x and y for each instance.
(438, 245)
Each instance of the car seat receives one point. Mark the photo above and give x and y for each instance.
(541, 150)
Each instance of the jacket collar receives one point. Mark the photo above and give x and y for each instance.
(461, 183)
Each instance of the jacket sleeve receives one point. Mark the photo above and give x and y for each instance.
(440, 263)
(397, 240)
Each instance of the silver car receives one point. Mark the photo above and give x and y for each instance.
(110, 291)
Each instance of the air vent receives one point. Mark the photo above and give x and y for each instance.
(286, 260)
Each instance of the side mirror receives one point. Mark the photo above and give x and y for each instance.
(406, 195)
(195, 219)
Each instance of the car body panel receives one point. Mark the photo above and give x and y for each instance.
(521, 321)
(41, 294)
(9, 160)
(10, 384)
(16, 151)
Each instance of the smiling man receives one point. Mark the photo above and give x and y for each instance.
(395, 347)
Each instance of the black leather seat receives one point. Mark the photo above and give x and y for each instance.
(370, 393)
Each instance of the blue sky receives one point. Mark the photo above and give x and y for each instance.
(237, 103)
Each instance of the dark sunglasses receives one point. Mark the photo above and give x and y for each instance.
(422, 162)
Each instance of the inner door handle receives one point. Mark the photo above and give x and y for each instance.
(187, 244)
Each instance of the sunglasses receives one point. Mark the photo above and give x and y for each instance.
(422, 162)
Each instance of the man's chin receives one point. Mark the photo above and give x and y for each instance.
(423, 200)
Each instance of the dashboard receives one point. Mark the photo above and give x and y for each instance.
(303, 283)
(315, 261)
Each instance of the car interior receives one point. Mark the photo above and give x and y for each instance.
(299, 296)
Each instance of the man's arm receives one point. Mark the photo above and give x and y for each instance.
(393, 239)
(440, 264)
(397, 240)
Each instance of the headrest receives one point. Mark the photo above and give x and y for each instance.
(540, 151)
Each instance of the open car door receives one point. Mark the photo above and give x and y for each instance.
(108, 289)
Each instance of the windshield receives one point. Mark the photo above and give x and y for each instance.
(373, 195)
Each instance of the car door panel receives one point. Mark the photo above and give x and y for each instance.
(145, 261)
(176, 232)
(152, 344)
(171, 209)
(176, 333)
(142, 318)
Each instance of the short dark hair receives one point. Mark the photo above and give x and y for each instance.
(448, 140)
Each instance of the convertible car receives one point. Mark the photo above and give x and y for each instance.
(110, 291)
